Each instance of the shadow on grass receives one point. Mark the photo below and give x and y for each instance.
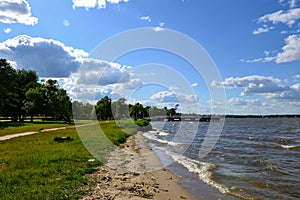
(4, 125)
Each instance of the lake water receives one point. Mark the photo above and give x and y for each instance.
(252, 159)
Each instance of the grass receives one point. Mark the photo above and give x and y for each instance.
(8, 128)
(37, 167)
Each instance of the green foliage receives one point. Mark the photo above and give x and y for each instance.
(21, 95)
(103, 109)
(82, 111)
(137, 111)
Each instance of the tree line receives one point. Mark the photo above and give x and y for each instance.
(21, 95)
(106, 109)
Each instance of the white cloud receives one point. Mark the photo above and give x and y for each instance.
(292, 94)
(267, 87)
(263, 29)
(50, 58)
(173, 97)
(158, 29)
(16, 11)
(7, 30)
(252, 84)
(246, 102)
(289, 17)
(100, 72)
(260, 60)
(194, 84)
(146, 18)
(293, 3)
(291, 51)
(296, 78)
(161, 24)
(87, 4)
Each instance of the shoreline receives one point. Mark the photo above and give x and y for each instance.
(133, 171)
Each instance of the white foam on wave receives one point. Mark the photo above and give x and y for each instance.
(202, 169)
(150, 136)
(289, 146)
(163, 133)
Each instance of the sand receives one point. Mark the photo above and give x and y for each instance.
(134, 172)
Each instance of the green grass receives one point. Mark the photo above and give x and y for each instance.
(37, 167)
(8, 128)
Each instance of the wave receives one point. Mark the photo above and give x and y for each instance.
(289, 146)
(150, 136)
(202, 169)
(163, 133)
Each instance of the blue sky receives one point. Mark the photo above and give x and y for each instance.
(255, 46)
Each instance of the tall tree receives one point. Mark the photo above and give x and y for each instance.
(25, 81)
(103, 109)
(8, 86)
(48, 100)
(120, 109)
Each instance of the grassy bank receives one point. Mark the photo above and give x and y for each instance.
(37, 167)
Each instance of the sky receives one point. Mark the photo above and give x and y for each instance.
(246, 53)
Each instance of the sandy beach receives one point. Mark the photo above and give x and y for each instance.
(134, 172)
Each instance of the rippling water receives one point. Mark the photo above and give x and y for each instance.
(253, 158)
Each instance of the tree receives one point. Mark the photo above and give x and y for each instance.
(154, 111)
(8, 85)
(103, 109)
(48, 99)
(120, 109)
(171, 112)
(25, 81)
(81, 110)
(136, 111)
(35, 102)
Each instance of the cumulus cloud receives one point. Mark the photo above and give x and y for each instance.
(268, 87)
(291, 51)
(50, 58)
(87, 4)
(252, 84)
(100, 72)
(89, 94)
(289, 17)
(246, 102)
(16, 11)
(194, 84)
(292, 94)
(167, 96)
